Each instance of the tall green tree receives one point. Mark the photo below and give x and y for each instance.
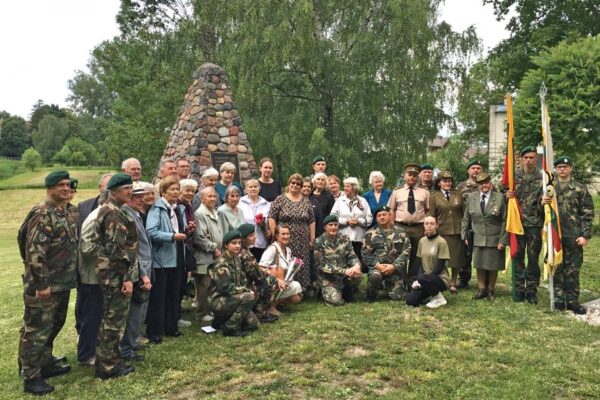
(49, 137)
(13, 135)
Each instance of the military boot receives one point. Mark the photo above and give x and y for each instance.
(234, 332)
(37, 386)
(118, 371)
(531, 298)
(519, 297)
(50, 370)
(576, 308)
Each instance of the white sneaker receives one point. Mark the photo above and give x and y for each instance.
(183, 323)
(437, 300)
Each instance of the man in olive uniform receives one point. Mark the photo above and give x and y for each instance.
(262, 284)
(474, 168)
(116, 269)
(386, 251)
(409, 205)
(528, 191)
(230, 299)
(576, 214)
(338, 267)
(49, 240)
(426, 177)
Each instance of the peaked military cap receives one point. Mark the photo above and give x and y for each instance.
(231, 235)
(54, 177)
(119, 179)
(483, 177)
(445, 174)
(412, 167)
(245, 230)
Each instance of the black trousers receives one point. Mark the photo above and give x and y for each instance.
(430, 286)
(165, 302)
(357, 246)
(88, 316)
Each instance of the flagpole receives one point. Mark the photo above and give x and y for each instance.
(545, 181)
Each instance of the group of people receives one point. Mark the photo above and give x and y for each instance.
(250, 253)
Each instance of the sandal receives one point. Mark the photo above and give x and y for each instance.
(453, 289)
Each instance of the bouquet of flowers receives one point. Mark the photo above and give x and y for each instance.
(261, 222)
(293, 268)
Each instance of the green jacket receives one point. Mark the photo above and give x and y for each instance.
(575, 209)
(489, 228)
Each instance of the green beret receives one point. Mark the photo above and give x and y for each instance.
(229, 236)
(474, 162)
(380, 209)
(527, 149)
(411, 167)
(330, 218)
(245, 230)
(119, 179)
(483, 177)
(54, 177)
(445, 174)
(74, 183)
(562, 160)
(426, 166)
(317, 159)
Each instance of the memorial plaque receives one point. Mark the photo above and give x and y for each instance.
(218, 159)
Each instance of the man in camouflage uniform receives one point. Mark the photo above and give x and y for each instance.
(426, 177)
(116, 270)
(262, 284)
(338, 267)
(474, 168)
(386, 251)
(230, 299)
(48, 239)
(576, 213)
(528, 191)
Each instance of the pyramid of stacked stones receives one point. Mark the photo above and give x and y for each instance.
(209, 123)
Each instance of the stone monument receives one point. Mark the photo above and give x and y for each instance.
(209, 130)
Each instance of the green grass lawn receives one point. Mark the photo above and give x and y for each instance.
(465, 350)
(88, 177)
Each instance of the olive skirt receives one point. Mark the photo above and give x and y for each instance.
(488, 258)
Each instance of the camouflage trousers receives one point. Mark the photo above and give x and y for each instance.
(265, 291)
(332, 290)
(114, 319)
(392, 284)
(42, 321)
(237, 308)
(566, 277)
(527, 278)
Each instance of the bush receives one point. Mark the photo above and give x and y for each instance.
(76, 152)
(31, 159)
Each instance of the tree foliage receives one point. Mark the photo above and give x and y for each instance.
(31, 159)
(50, 136)
(77, 152)
(570, 72)
(13, 135)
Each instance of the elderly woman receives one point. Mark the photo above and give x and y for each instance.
(187, 190)
(227, 172)
(166, 229)
(379, 196)
(230, 215)
(322, 195)
(333, 185)
(448, 207)
(296, 211)
(354, 215)
(209, 178)
(307, 191)
(277, 259)
(256, 211)
(485, 214)
(269, 188)
(208, 240)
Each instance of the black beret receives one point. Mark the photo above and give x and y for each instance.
(231, 235)
(245, 230)
(54, 177)
(119, 179)
(74, 183)
(563, 160)
(426, 166)
(474, 162)
(527, 149)
(381, 208)
(330, 218)
(317, 159)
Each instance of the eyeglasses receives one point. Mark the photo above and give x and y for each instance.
(296, 183)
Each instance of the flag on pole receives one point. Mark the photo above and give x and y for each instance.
(514, 225)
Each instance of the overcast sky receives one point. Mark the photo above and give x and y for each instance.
(43, 43)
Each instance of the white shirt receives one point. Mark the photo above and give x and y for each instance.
(359, 209)
(274, 256)
(487, 197)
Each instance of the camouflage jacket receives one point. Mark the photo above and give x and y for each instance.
(528, 189)
(576, 209)
(254, 273)
(334, 256)
(467, 187)
(228, 276)
(50, 248)
(429, 187)
(386, 246)
(118, 247)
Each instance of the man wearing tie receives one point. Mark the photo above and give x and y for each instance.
(409, 205)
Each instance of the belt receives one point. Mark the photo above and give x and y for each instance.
(409, 224)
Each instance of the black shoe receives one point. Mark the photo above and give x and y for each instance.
(134, 357)
(218, 321)
(531, 298)
(371, 299)
(175, 334)
(519, 297)
(50, 370)
(155, 339)
(234, 332)
(268, 319)
(576, 308)
(490, 295)
(462, 284)
(37, 386)
(347, 294)
(559, 306)
(118, 371)
(482, 293)
(58, 359)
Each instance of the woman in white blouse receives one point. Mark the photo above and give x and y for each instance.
(256, 208)
(277, 258)
(354, 214)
